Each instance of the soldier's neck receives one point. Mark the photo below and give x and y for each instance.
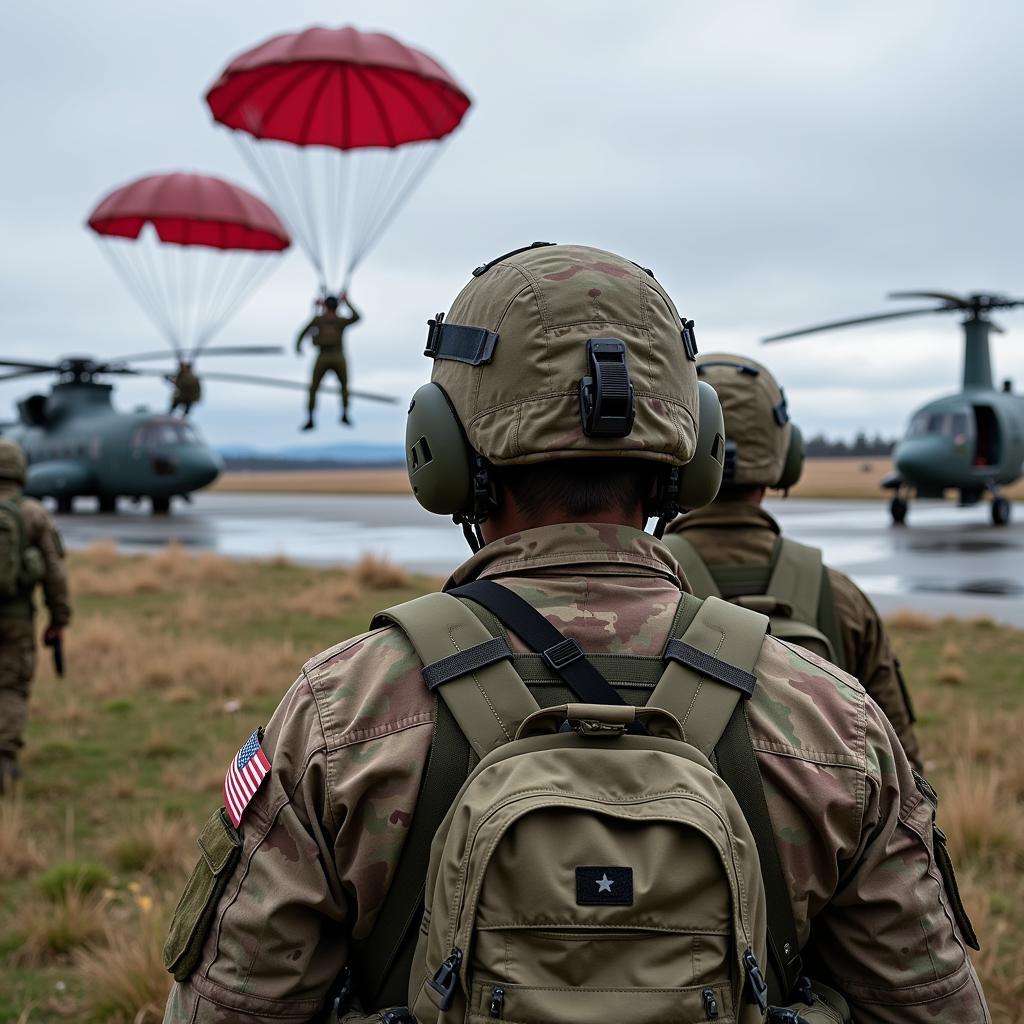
(511, 519)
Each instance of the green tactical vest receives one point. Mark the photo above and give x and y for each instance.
(793, 590)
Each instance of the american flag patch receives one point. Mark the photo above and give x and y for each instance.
(247, 770)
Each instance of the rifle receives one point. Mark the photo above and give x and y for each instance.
(57, 645)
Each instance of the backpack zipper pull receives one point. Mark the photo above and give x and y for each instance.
(497, 1004)
(710, 1004)
(446, 977)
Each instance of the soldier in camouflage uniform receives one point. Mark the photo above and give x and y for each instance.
(266, 931)
(187, 389)
(17, 615)
(327, 330)
(735, 530)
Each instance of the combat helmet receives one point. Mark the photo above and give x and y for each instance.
(763, 448)
(561, 352)
(12, 461)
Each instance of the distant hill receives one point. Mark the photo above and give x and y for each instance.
(327, 456)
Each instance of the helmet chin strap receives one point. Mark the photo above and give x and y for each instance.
(471, 531)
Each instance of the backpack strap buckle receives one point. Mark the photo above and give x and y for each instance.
(563, 653)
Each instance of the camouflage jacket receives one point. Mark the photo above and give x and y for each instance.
(735, 533)
(323, 835)
(41, 533)
(328, 329)
(187, 386)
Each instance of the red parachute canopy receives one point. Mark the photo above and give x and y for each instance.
(339, 126)
(191, 209)
(338, 87)
(190, 247)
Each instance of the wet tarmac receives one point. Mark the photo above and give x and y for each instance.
(948, 561)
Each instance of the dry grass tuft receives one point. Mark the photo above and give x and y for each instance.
(323, 600)
(951, 651)
(981, 825)
(952, 675)
(53, 929)
(378, 573)
(160, 845)
(160, 743)
(19, 854)
(912, 621)
(122, 973)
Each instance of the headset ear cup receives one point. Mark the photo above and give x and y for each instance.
(794, 463)
(701, 477)
(437, 454)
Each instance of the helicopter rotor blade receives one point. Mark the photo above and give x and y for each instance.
(954, 300)
(222, 350)
(21, 364)
(23, 373)
(872, 318)
(277, 382)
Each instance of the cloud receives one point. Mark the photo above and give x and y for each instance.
(776, 164)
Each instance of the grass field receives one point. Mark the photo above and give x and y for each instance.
(175, 658)
(822, 478)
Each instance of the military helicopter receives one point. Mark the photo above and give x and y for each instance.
(972, 441)
(78, 445)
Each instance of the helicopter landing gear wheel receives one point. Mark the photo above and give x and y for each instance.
(161, 506)
(108, 504)
(898, 508)
(1000, 511)
(65, 506)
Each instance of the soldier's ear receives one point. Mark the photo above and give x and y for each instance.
(794, 463)
(438, 456)
(701, 477)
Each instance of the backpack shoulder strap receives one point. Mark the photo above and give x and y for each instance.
(470, 668)
(828, 621)
(697, 573)
(709, 667)
(479, 700)
(12, 507)
(796, 578)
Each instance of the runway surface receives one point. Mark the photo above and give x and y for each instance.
(948, 561)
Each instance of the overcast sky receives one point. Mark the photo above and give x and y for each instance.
(775, 163)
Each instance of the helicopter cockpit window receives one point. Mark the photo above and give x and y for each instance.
(945, 424)
(157, 435)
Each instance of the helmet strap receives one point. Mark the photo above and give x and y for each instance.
(471, 531)
(665, 501)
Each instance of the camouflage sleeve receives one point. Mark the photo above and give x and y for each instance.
(871, 659)
(888, 937)
(319, 841)
(44, 535)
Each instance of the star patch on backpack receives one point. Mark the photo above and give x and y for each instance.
(248, 768)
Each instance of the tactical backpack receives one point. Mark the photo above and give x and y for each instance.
(793, 590)
(604, 861)
(21, 564)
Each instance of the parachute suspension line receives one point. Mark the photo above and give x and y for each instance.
(421, 166)
(130, 272)
(277, 183)
(254, 269)
(158, 297)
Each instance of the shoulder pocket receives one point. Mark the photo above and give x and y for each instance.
(220, 847)
(944, 863)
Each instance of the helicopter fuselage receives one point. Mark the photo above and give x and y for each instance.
(972, 442)
(78, 445)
